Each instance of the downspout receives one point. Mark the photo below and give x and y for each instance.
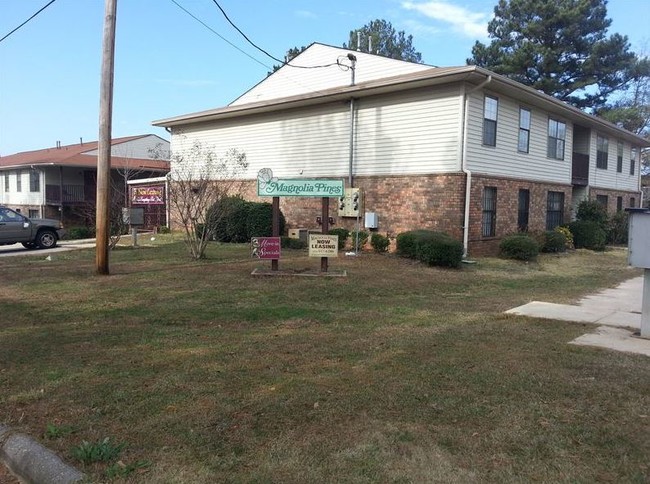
(463, 159)
(351, 160)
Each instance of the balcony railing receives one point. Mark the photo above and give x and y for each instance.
(580, 169)
(58, 194)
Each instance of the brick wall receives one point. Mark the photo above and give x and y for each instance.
(434, 202)
(612, 196)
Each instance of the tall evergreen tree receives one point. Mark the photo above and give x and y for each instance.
(384, 40)
(560, 47)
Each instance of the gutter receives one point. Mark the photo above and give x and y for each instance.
(463, 159)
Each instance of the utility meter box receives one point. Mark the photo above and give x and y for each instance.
(133, 216)
(302, 234)
(350, 204)
(371, 220)
(639, 238)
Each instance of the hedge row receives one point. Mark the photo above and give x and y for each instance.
(432, 248)
(234, 219)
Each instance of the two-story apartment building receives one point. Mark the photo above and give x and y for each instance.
(61, 182)
(460, 149)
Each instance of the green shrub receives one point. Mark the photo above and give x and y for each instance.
(407, 242)
(519, 246)
(260, 220)
(380, 243)
(592, 211)
(288, 243)
(567, 235)
(163, 229)
(76, 233)
(342, 234)
(234, 219)
(363, 238)
(588, 234)
(617, 232)
(438, 249)
(554, 241)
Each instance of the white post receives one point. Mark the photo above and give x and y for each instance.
(645, 305)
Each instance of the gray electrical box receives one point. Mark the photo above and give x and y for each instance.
(639, 238)
(350, 204)
(133, 216)
(372, 222)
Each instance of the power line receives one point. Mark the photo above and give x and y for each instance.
(218, 34)
(14, 30)
(283, 63)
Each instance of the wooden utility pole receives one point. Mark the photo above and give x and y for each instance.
(104, 146)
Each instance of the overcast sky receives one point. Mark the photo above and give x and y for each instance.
(167, 63)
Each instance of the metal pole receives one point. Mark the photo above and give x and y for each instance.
(645, 305)
(104, 144)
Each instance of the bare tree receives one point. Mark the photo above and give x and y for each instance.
(199, 180)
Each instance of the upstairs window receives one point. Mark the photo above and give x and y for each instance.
(602, 152)
(19, 181)
(556, 139)
(7, 182)
(34, 181)
(524, 130)
(489, 212)
(633, 162)
(490, 112)
(619, 157)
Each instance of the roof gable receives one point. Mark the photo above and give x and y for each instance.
(325, 67)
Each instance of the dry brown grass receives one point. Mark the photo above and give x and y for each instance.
(398, 373)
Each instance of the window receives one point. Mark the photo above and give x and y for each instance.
(619, 158)
(524, 210)
(490, 111)
(633, 161)
(619, 204)
(34, 181)
(489, 211)
(554, 210)
(7, 182)
(19, 181)
(602, 199)
(33, 213)
(556, 139)
(524, 130)
(632, 202)
(602, 148)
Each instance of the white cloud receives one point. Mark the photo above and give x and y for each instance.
(305, 14)
(462, 20)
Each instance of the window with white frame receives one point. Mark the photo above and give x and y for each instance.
(19, 181)
(34, 181)
(490, 113)
(7, 182)
(619, 157)
(602, 152)
(633, 161)
(524, 130)
(556, 139)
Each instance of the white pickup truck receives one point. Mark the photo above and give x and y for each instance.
(33, 233)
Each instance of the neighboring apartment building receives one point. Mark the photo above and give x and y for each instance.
(61, 182)
(459, 149)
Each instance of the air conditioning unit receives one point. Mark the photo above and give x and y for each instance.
(302, 234)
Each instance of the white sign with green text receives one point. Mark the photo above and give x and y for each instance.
(269, 186)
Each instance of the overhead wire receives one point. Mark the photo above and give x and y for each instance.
(218, 34)
(29, 19)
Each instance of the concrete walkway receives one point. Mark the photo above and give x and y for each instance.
(617, 312)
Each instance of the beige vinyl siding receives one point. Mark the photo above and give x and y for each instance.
(415, 133)
(504, 159)
(610, 178)
(291, 81)
(411, 133)
(142, 148)
(306, 142)
(25, 196)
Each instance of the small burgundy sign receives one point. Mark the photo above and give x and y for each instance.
(265, 247)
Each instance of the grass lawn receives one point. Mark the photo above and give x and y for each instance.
(397, 373)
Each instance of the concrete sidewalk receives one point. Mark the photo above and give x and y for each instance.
(617, 311)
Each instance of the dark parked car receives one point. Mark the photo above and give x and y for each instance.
(33, 233)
